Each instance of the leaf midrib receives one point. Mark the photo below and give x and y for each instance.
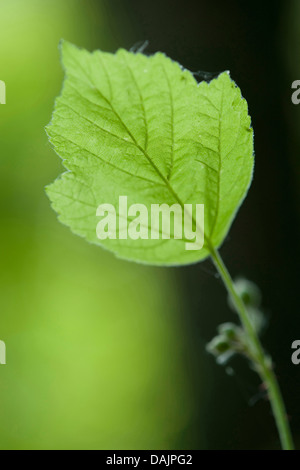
(147, 156)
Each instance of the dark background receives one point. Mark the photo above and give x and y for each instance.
(251, 39)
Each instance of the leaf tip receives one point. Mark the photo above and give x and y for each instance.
(68, 52)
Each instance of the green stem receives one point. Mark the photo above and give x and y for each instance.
(263, 363)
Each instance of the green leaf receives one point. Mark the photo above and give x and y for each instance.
(131, 125)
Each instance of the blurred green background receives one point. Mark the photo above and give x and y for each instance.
(94, 344)
(105, 354)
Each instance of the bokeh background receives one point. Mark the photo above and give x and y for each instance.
(105, 354)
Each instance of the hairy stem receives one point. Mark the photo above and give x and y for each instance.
(263, 363)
